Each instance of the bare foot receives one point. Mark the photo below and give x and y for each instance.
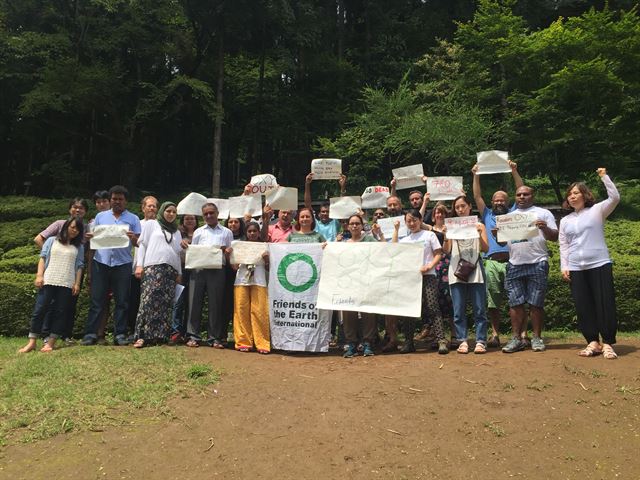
(28, 347)
(47, 348)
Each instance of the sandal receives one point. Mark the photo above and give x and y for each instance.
(262, 351)
(480, 348)
(463, 347)
(192, 343)
(46, 348)
(591, 350)
(139, 343)
(242, 349)
(608, 352)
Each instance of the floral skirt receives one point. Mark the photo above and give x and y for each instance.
(156, 302)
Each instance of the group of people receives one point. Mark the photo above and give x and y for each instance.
(482, 272)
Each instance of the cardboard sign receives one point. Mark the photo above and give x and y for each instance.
(283, 198)
(110, 236)
(493, 161)
(375, 197)
(251, 204)
(462, 228)
(516, 226)
(344, 207)
(261, 184)
(326, 168)
(444, 188)
(408, 177)
(191, 204)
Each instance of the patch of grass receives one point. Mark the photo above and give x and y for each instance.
(539, 387)
(88, 388)
(494, 428)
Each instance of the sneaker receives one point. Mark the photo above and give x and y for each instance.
(88, 341)
(514, 345)
(537, 345)
(443, 347)
(121, 341)
(366, 350)
(350, 351)
(494, 342)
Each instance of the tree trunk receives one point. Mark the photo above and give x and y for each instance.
(217, 135)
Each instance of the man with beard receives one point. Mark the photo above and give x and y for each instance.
(495, 260)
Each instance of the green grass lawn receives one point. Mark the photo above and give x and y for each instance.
(89, 388)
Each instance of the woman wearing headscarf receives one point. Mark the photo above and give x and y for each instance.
(158, 265)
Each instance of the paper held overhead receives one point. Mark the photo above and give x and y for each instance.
(283, 198)
(326, 168)
(344, 207)
(408, 177)
(444, 188)
(245, 204)
(223, 207)
(191, 204)
(493, 161)
(263, 183)
(375, 197)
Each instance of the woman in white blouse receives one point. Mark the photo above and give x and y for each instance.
(158, 265)
(586, 265)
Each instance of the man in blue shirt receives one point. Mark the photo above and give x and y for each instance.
(495, 260)
(111, 269)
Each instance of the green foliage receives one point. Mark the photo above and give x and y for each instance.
(24, 207)
(21, 232)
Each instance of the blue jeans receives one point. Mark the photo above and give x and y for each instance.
(103, 277)
(56, 300)
(477, 293)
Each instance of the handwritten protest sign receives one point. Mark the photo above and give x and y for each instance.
(263, 183)
(251, 204)
(326, 168)
(283, 198)
(223, 207)
(516, 226)
(110, 236)
(344, 207)
(462, 228)
(372, 277)
(387, 227)
(407, 177)
(444, 188)
(203, 256)
(191, 204)
(375, 197)
(493, 161)
(248, 252)
(296, 323)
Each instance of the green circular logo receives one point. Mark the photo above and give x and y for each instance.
(282, 272)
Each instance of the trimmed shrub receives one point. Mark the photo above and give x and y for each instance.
(20, 233)
(19, 252)
(20, 208)
(20, 265)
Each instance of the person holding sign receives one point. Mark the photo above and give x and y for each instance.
(527, 270)
(280, 231)
(111, 269)
(432, 255)
(327, 227)
(158, 269)
(209, 281)
(496, 258)
(251, 309)
(586, 265)
(304, 231)
(466, 279)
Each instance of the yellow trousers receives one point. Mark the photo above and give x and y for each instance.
(251, 317)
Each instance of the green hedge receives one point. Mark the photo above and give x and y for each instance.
(20, 208)
(19, 233)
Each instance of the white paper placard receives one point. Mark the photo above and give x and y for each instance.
(462, 228)
(251, 204)
(387, 227)
(223, 207)
(326, 168)
(263, 183)
(344, 207)
(372, 277)
(493, 161)
(408, 177)
(248, 252)
(110, 236)
(191, 204)
(283, 198)
(444, 188)
(203, 256)
(516, 226)
(375, 197)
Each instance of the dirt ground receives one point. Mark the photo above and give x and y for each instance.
(527, 415)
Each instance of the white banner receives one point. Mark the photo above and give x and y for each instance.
(375, 197)
(251, 204)
(326, 168)
(248, 252)
(283, 198)
(444, 188)
(296, 322)
(344, 207)
(387, 227)
(203, 256)
(110, 236)
(408, 177)
(516, 226)
(261, 184)
(493, 161)
(372, 277)
(223, 207)
(462, 228)
(191, 204)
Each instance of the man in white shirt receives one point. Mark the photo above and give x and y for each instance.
(209, 281)
(527, 270)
